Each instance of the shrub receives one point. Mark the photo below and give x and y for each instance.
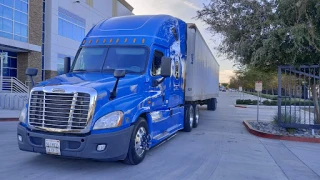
(254, 102)
(266, 102)
(287, 118)
(246, 102)
(273, 103)
(274, 98)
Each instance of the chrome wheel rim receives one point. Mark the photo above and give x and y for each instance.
(191, 113)
(197, 114)
(138, 140)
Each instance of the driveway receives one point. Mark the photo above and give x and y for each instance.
(220, 148)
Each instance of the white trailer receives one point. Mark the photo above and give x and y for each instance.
(202, 84)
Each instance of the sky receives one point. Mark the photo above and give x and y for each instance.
(186, 10)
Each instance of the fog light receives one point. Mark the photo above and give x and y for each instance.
(101, 147)
(20, 138)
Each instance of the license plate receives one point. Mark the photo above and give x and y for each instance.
(52, 146)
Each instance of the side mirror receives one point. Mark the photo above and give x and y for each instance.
(31, 72)
(118, 73)
(165, 66)
(67, 63)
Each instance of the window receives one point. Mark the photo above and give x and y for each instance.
(60, 63)
(9, 64)
(131, 59)
(71, 25)
(14, 19)
(156, 63)
(90, 59)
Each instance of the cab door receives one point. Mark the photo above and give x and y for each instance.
(160, 94)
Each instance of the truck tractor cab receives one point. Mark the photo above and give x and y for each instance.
(123, 94)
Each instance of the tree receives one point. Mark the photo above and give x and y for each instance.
(225, 85)
(247, 78)
(264, 34)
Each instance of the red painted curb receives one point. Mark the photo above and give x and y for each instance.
(279, 137)
(8, 119)
(239, 106)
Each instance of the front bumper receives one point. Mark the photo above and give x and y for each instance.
(117, 144)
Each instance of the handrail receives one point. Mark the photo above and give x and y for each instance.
(13, 93)
(13, 85)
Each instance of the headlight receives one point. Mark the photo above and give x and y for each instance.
(111, 120)
(23, 115)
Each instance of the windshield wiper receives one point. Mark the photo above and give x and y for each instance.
(79, 70)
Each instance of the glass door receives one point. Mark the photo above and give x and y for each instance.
(3, 59)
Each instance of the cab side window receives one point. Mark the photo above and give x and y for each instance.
(156, 63)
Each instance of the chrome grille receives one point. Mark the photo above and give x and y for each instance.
(63, 111)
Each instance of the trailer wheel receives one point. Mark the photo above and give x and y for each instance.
(196, 116)
(212, 104)
(136, 153)
(188, 118)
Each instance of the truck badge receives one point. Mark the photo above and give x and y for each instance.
(58, 90)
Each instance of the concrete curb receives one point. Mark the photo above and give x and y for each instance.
(239, 106)
(279, 137)
(8, 119)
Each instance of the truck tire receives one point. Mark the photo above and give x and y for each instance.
(212, 104)
(135, 153)
(188, 118)
(196, 116)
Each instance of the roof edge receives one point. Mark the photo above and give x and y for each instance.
(126, 4)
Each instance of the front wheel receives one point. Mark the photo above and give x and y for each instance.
(137, 151)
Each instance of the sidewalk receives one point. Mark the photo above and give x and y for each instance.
(7, 115)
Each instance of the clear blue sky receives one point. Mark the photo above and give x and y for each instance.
(185, 10)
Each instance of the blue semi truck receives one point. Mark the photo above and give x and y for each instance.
(135, 81)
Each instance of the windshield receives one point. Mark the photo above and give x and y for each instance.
(107, 59)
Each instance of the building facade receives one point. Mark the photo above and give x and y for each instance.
(40, 33)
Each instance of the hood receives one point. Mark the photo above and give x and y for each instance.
(103, 83)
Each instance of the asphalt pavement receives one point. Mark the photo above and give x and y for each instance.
(220, 148)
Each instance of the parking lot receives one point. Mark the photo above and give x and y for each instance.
(220, 148)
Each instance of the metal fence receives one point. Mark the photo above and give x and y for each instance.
(298, 97)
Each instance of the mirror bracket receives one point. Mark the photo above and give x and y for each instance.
(155, 83)
(117, 74)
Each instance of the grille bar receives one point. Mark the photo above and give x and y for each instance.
(62, 111)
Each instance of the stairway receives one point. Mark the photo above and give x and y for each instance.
(13, 93)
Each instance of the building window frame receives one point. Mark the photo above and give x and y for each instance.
(11, 34)
(76, 24)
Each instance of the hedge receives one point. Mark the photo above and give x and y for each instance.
(247, 102)
(267, 96)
